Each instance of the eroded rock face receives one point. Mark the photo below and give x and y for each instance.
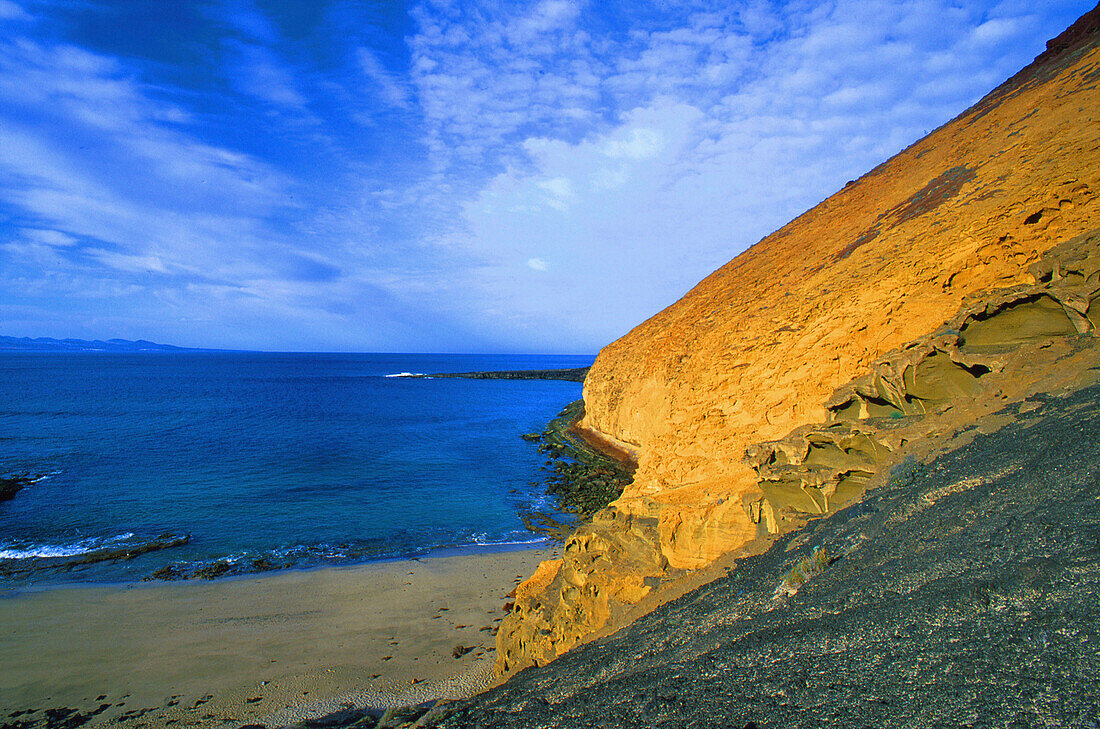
(992, 347)
(965, 591)
(764, 396)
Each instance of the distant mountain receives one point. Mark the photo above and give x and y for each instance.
(49, 344)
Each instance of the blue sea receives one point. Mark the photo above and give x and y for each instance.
(263, 460)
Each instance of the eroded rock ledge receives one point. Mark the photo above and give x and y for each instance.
(996, 350)
(961, 592)
(774, 391)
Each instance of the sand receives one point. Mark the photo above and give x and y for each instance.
(267, 649)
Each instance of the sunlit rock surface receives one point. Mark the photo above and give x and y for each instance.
(765, 396)
(962, 592)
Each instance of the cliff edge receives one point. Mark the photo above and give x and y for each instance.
(765, 397)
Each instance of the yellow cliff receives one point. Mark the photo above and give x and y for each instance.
(767, 344)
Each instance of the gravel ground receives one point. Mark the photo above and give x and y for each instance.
(964, 593)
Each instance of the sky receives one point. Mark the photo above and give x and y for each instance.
(438, 176)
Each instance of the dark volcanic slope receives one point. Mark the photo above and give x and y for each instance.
(966, 594)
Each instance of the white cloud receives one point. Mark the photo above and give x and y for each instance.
(635, 143)
(154, 198)
(11, 11)
(481, 78)
(49, 237)
(391, 91)
(547, 16)
(729, 137)
(129, 263)
(259, 73)
(997, 30)
(537, 264)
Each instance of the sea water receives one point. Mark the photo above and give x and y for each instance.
(263, 460)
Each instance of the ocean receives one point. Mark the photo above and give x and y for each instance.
(221, 463)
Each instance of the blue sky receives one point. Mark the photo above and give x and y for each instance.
(443, 176)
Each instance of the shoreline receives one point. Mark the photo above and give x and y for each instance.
(583, 478)
(267, 649)
(460, 550)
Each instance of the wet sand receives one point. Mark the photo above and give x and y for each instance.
(265, 649)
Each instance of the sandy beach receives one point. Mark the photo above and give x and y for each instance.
(265, 650)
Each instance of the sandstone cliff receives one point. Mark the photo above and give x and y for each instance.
(965, 592)
(754, 402)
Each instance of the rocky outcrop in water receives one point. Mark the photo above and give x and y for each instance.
(11, 485)
(582, 480)
(122, 552)
(772, 393)
(574, 374)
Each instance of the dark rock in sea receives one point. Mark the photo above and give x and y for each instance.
(964, 592)
(168, 573)
(583, 480)
(164, 541)
(11, 485)
(575, 374)
(213, 570)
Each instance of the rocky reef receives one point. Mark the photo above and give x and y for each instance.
(933, 291)
(116, 552)
(572, 374)
(583, 479)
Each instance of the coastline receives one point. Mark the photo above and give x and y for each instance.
(267, 649)
(572, 374)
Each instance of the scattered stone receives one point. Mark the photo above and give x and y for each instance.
(214, 570)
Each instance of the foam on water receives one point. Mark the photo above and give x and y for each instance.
(19, 551)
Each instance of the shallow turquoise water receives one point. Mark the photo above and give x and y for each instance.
(292, 459)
